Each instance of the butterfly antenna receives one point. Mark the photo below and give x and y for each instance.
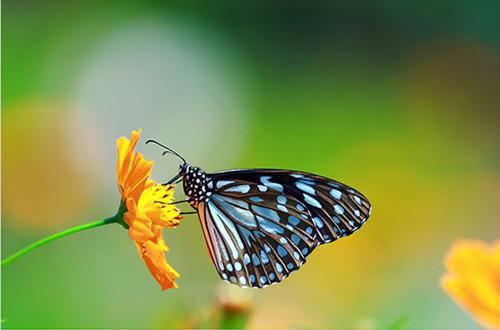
(168, 150)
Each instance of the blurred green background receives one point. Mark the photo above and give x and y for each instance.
(399, 99)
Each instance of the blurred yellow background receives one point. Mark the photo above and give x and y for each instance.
(399, 99)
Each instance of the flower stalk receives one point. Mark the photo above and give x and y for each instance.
(117, 218)
(56, 236)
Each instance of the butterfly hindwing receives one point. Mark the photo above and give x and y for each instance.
(256, 235)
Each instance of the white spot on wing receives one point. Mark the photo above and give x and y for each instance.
(244, 188)
(223, 183)
(271, 185)
(312, 201)
(282, 208)
(262, 188)
(305, 187)
(318, 223)
(338, 209)
(336, 194)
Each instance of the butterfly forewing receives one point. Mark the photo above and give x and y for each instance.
(343, 210)
(336, 209)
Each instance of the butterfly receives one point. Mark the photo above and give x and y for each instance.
(261, 224)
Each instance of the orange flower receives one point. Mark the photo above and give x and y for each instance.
(148, 209)
(473, 280)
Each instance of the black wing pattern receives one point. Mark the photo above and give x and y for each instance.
(260, 225)
(337, 210)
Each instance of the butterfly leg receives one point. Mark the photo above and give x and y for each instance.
(187, 213)
(178, 202)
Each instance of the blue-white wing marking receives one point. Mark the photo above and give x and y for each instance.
(336, 209)
(259, 235)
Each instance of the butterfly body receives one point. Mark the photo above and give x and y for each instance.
(261, 224)
(195, 184)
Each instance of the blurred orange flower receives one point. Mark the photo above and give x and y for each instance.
(148, 209)
(473, 279)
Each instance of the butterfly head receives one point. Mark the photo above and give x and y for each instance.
(195, 183)
(194, 179)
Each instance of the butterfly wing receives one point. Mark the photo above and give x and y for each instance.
(336, 209)
(255, 235)
(260, 225)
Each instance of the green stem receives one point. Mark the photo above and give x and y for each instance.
(53, 237)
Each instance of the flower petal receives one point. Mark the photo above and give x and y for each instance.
(473, 280)
(148, 209)
(164, 274)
